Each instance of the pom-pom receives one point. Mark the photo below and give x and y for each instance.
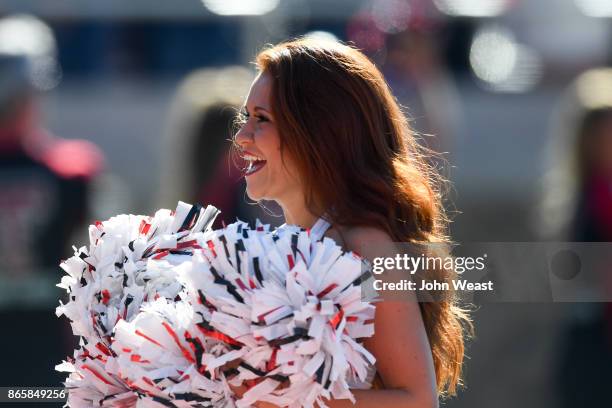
(131, 259)
(173, 314)
(89, 384)
(162, 354)
(292, 304)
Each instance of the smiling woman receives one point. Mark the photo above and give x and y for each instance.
(326, 140)
(269, 175)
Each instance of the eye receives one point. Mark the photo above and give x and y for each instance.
(243, 116)
(261, 118)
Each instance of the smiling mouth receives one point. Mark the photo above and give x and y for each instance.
(255, 164)
(254, 167)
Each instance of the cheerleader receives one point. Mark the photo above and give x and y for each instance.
(325, 138)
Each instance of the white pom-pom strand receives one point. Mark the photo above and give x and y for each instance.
(163, 356)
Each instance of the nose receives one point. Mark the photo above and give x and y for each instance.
(244, 136)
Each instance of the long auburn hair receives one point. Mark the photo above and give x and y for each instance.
(360, 164)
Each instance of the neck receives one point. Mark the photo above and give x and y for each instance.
(296, 213)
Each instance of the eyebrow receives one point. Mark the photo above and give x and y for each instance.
(260, 108)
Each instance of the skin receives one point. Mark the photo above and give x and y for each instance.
(400, 343)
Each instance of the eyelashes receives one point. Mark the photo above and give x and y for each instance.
(243, 117)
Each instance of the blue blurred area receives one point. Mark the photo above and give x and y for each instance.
(92, 48)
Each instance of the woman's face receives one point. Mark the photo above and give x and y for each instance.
(269, 175)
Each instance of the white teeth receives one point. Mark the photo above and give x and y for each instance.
(249, 157)
(253, 167)
(254, 163)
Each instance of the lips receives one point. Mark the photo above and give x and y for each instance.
(256, 163)
(254, 167)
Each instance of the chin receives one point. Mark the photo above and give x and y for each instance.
(254, 194)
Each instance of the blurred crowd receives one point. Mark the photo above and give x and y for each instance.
(127, 112)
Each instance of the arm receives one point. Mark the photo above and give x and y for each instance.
(400, 344)
(403, 360)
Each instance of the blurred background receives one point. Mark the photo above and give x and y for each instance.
(126, 106)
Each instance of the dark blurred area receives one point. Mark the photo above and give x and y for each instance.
(117, 106)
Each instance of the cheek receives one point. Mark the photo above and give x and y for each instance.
(281, 166)
(272, 151)
(289, 171)
(278, 170)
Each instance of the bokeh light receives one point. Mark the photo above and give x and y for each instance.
(391, 16)
(501, 63)
(28, 36)
(46, 73)
(473, 8)
(363, 32)
(594, 88)
(321, 35)
(240, 7)
(595, 8)
(493, 55)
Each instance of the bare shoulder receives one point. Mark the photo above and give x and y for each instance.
(361, 239)
(368, 234)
